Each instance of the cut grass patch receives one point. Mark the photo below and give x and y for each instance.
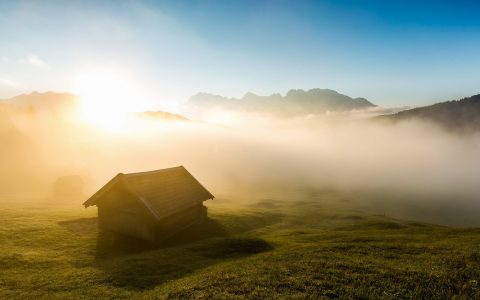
(269, 249)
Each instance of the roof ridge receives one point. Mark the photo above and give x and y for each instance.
(151, 172)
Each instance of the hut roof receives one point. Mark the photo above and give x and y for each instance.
(163, 192)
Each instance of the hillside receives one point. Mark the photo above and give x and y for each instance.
(461, 114)
(319, 246)
(295, 102)
(49, 101)
(161, 115)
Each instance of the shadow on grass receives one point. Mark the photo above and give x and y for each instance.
(148, 265)
(146, 270)
(111, 245)
(135, 264)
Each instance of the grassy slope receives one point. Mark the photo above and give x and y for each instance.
(275, 249)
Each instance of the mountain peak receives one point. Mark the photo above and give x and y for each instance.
(249, 95)
(295, 102)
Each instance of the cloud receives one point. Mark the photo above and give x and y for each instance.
(34, 60)
(9, 83)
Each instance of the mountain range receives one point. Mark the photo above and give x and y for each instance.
(295, 102)
(463, 114)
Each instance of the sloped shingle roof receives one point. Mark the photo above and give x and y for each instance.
(163, 192)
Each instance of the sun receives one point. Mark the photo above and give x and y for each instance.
(107, 97)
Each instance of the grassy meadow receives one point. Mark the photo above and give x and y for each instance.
(317, 246)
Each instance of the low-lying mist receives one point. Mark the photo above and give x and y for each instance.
(247, 155)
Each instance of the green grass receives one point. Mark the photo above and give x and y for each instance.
(303, 247)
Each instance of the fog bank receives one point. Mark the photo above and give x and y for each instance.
(249, 153)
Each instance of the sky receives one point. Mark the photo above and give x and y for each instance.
(393, 53)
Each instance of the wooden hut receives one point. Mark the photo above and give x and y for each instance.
(150, 205)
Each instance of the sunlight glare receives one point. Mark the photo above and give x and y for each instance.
(107, 98)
